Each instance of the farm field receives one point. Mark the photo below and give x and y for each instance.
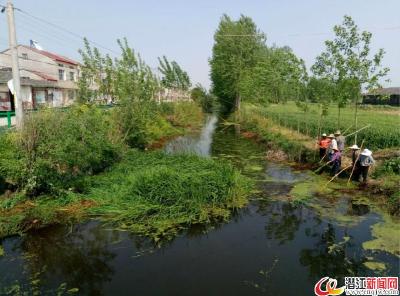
(381, 133)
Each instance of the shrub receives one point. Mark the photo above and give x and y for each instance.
(57, 147)
(139, 123)
(390, 166)
(187, 114)
(166, 108)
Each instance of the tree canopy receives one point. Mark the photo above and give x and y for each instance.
(120, 79)
(348, 65)
(236, 50)
(173, 75)
(243, 67)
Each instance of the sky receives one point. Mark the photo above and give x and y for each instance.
(183, 29)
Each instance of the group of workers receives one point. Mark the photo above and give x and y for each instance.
(331, 149)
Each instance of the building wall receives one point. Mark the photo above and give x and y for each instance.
(61, 93)
(173, 95)
(41, 63)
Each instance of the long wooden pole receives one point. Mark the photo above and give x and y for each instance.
(347, 129)
(354, 164)
(326, 153)
(337, 175)
(367, 126)
(322, 166)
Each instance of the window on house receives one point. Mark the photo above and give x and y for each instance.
(25, 56)
(60, 65)
(72, 76)
(61, 74)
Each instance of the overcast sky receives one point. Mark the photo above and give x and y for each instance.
(183, 29)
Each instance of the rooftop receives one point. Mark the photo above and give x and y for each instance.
(6, 75)
(385, 91)
(53, 56)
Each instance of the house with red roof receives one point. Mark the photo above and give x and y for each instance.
(46, 78)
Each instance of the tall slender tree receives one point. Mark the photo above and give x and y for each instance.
(236, 49)
(348, 63)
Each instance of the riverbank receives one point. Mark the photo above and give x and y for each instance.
(150, 193)
(342, 234)
(289, 145)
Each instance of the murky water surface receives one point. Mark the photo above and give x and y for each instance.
(272, 247)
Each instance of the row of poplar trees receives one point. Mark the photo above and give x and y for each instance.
(244, 67)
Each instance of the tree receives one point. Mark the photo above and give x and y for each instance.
(320, 90)
(128, 81)
(202, 97)
(124, 78)
(348, 64)
(173, 75)
(236, 49)
(278, 75)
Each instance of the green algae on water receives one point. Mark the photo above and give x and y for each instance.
(373, 265)
(253, 168)
(386, 236)
(301, 192)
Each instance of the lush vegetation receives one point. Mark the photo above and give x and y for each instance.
(235, 51)
(56, 148)
(206, 100)
(380, 134)
(254, 120)
(173, 75)
(68, 164)
(244, 67)
(150, 193)
(154, 193)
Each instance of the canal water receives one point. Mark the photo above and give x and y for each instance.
(271, 247)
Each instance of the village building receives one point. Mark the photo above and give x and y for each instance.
(46, 79)
(383, 96)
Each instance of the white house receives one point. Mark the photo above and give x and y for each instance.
(46, 78)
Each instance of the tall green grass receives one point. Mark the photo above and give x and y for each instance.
(149, 193)
(155, 194)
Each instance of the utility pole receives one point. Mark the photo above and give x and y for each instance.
(12, 38)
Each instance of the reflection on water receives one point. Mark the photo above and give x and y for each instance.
(263, 248)
(196, 144)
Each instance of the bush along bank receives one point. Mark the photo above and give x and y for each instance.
(67, 166)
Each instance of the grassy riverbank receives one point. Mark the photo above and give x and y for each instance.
(149, 193)
(46, 182)
(288, 144)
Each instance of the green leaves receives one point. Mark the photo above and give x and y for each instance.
(348, 64)
(120, 79)
(278, 75)
(243, 67)
(235, 52)
(173, 75)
